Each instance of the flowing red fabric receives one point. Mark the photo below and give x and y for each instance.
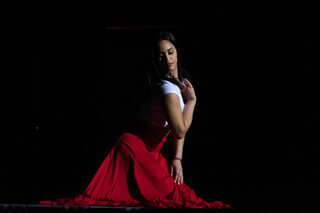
(135, 174)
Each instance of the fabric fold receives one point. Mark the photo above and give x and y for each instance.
(133, 176)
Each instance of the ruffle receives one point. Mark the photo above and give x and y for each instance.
(132, 176)
(180, 198)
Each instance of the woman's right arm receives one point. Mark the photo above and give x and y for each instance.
(180, 121)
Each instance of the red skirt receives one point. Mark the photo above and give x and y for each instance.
(136, 174)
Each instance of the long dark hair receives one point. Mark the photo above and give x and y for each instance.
(155, 76)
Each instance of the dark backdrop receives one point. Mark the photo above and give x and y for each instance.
(253, 140)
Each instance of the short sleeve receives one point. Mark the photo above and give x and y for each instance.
(168, 87)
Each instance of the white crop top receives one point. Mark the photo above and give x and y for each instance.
(152, 110)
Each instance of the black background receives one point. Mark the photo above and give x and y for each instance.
(75, 73)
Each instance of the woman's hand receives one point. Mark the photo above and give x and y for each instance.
(176, 171)
(187, 91)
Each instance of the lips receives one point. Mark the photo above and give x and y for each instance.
(169, 64)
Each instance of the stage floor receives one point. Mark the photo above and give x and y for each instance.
(15, 208)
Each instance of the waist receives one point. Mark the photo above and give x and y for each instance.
(149, 132)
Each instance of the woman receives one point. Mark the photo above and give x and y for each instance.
(135, 173)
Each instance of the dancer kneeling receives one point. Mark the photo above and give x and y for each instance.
(135, 173)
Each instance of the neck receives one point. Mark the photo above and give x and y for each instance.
(174, 73)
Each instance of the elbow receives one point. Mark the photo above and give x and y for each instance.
(179, 136)
(179, 130)
(180, 133)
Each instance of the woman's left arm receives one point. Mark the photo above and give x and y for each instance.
(176, 164)
(178, 147)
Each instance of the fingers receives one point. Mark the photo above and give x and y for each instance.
(183, 86)
(176, 173)
(188, 83)
(178, 179)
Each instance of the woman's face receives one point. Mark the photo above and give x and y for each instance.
(167, 57)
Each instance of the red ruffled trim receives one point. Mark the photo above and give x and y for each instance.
(172, 201)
